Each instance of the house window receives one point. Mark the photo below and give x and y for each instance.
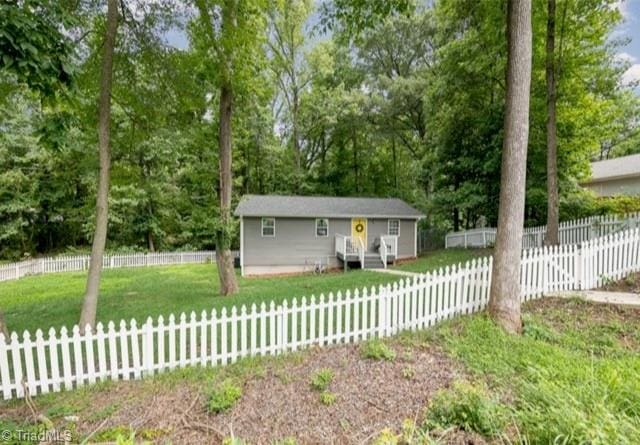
(322, 227)
(394, 227)
(268, 227)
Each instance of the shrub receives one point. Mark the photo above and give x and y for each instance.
(377, 350)
(468, 407)
(224, 397)
(327, 398)
(322, 379)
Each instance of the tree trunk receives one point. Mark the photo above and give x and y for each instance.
(90, 302)
(297, 152)
(224, 259)
(553, 212)
(504, 305)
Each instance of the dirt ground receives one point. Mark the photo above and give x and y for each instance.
(278, 402)
(628, 284)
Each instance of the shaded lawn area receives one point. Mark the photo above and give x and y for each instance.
(55, 300)
(440, 258)
(572, 377)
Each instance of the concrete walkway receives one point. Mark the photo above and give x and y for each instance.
(621, 298)
(395, 272)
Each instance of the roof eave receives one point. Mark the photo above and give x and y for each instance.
(610, 178)
(267, 215)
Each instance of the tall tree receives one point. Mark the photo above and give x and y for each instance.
(286, 42)
(553, 200)
(90, 302)
(235, 31)
(35, 52)
(504, 305)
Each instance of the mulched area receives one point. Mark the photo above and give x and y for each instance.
(371, 395)
(279, 403)
(620, 322)
(565, 313)
(628, 284)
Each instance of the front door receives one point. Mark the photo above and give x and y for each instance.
(359, 230)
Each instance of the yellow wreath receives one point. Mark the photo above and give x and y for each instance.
(359, 228)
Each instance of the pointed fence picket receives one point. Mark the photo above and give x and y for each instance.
(58, 361)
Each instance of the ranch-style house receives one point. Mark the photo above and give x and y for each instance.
(288, 234)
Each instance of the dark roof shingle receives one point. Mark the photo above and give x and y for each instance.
(615, 168)
(321, 206)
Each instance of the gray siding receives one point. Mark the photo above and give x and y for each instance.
(296, 243)
(612, 187)
(407, 239)
(375, 228)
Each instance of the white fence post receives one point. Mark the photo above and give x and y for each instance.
(131, 351)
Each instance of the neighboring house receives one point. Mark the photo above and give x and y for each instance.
(617, 176)
(284, 234)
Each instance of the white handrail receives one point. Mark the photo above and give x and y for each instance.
(361, 252)
(383, 252)
(392, 244)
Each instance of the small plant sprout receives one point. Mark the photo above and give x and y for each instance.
(327, 398)
(409, 372)
(377, 350)
(322, 379)
(224, 396)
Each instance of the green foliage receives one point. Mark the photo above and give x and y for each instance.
(466, 406)
(224, 396)
(409, 372)
(234, 441)
(327, 398)
(562, 392)
(409, 104)
(602, 410)
(33, 45)
(322, 379)
(377, 350)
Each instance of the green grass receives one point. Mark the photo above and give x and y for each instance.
(441, 258)
(55, 300)
(560, 385)
(573, 377)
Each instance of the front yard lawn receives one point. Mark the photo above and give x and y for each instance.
(572, 377)
(55, 300)
(430, 261)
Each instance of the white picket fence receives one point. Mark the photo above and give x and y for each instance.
(78, 263)
(65, 360)
(569, 232)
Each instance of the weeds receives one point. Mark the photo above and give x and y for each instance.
(468, 407)
(322, 379)
(377, 350)
(224, 396)
(327, 398)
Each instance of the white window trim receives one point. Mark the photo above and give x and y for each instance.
(322, 236)
(262, 228)
(389, 226)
